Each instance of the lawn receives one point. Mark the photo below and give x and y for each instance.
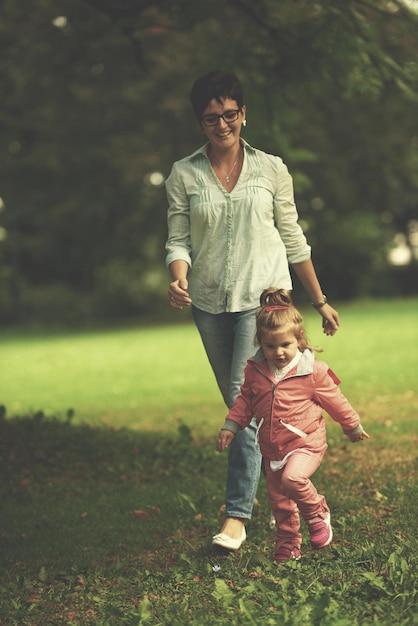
(141, 378)
(107, 513)
(151, 378)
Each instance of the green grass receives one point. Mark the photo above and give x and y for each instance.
(142, 378)
(106, 517)
(150, 378)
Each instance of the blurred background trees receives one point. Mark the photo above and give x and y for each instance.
(95, 109)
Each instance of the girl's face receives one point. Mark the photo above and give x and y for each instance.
(223, 134)
(279, 346)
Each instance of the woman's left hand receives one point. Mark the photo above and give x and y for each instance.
(330, 319)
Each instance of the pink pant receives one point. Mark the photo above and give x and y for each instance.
(292, 493)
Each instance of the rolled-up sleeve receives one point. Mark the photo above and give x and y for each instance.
(178, 246)
(286, 217)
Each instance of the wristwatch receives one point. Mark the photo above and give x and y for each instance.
(319, 305)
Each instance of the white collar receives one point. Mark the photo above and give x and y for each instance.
(280, 374)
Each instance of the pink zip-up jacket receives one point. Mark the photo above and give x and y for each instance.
(289, 412)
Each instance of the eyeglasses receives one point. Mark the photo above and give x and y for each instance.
(228, 116)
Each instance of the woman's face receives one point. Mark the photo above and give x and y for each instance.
(223, 134)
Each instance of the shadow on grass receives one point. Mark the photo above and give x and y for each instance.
(103, 527)
(74, 497)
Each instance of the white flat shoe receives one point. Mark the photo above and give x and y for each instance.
(225, 541)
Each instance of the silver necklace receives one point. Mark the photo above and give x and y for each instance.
(228, 176)
(229, 173)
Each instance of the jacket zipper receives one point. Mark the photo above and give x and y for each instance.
(273, 395)
(295, 430)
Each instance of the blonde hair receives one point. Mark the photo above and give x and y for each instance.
(277, 312)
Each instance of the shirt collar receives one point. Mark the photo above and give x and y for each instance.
(280, 374)
(203, 150)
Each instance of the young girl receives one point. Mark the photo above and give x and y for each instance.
(286, 388)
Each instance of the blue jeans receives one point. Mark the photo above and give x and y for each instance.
(228, 339)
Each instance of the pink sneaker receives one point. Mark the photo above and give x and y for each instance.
(287, 553)
(321, 532)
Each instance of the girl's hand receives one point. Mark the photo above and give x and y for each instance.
(358, 437)
(330, 319)
(224, 439)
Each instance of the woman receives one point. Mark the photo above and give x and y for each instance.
(232, 232)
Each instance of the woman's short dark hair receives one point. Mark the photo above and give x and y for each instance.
(215, 85)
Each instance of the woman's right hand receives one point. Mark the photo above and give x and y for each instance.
(178, 294)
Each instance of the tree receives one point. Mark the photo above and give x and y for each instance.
(95, 100)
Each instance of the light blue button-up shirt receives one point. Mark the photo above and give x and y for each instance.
(236, 244)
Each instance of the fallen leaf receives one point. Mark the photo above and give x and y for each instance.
(379, 496)
(32, 599)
